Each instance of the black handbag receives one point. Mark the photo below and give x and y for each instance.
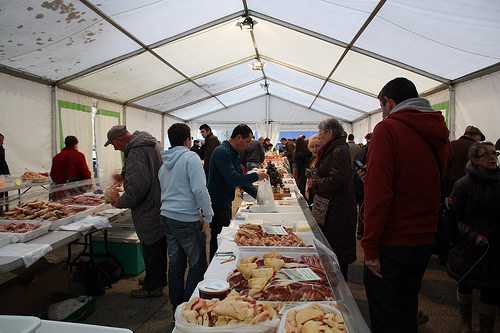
(464, 260)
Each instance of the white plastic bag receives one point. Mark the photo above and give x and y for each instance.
(265, 195)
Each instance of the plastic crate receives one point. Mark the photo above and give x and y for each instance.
(126, 248)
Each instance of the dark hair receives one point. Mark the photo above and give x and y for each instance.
(497, 145)
(242, 130)
(70, 141)
(178, 133)
(205, 127)
(196, 141)
(477, 149)
(283, 139)
(301, 145)
(400, 89)
(1, 135)
(350, 137)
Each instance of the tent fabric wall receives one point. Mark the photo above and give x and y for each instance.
(140, 120)
(477, 102)
(360, 128)
(169, 121)
(75, 118)
(253, 111)
(108, 160)
(25, 121)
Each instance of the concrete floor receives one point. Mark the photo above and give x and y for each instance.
(437, 300)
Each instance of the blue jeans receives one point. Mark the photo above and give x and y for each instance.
(186, 244)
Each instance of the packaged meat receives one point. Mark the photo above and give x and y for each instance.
(281, 278)
(315, 317)
(35, 177)
(235, 313)
(83, 200)
(267, 235)
(23, 231)
(41, 210)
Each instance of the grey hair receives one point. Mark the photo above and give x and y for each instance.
(332, 125)
(477, 149)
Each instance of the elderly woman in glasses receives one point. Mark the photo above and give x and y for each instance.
(334, 206)
(476, 200)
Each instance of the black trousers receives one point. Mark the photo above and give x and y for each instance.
(155, 262)
(222, 218)
(393, 299)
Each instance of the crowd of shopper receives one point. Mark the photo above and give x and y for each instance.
(392, 193)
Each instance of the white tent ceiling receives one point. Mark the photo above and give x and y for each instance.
(190, 57)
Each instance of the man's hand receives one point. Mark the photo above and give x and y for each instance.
(374, 266)
(117, 178)
(262, 175)
(361, 173)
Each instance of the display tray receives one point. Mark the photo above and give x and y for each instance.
(87, 210)
(330, 307)
(29, 235)
(6, 239)
(307, 238)
(80, 200)
(281, 287)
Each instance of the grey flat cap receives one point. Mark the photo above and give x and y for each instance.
(115, 132)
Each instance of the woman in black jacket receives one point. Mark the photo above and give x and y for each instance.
(301, 161)
(476, 197)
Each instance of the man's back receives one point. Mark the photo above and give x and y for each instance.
(211, 142)
(354, 150)
(402, 186)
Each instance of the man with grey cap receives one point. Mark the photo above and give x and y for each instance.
(142, 196)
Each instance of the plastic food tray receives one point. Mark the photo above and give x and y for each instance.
(49, 326)
(75, 217)
(327, 307)
(26, 236)
(6, 239)
(296, 254)
(19, 324)
(306, 237)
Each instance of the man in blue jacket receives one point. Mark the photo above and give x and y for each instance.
(185, 209)
(225, 175)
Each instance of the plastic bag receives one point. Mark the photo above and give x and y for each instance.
(265, 195)
(184, 327)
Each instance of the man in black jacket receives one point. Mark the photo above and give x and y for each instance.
(4, 170)
(225, 176)
(211, 142)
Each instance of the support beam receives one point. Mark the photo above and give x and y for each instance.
(313, 110)
(452, 113)
(162, 141)
(97, 67)
(53, 118)
(303, 71)
(321, 97)
(217, 94)
(138, 41)
(199, 76)
(222, 109)
(482, 72)
(25, 75)
(155, 45)
(342, 44)
(351, 44)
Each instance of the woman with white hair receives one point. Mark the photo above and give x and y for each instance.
(334, 206)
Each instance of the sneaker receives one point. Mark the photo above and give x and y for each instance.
(142, 293)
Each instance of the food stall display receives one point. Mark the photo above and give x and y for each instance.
(256, 235)
(41, 210)
(83, 200)
(277, 277)
(286, 266)
(35, 177)
(313, 318)
(233, 310)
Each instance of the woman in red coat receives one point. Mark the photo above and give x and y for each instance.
(69, 166)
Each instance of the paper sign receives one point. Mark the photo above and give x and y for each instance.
(274, 230)
(301, 274)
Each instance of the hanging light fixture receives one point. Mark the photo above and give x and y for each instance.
(264, 85)
(257, 65)
(247, 24)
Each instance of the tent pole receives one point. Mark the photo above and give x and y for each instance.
(268, 123)
(451, 112)
(124, 112)
(53, 115)
(162, 140)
